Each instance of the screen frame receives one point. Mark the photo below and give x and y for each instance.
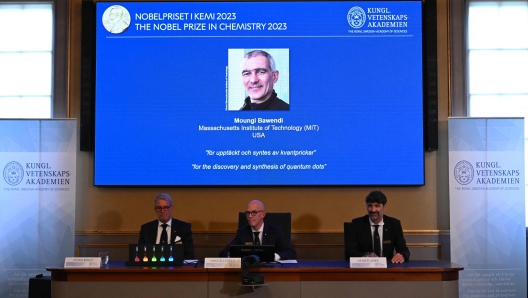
(426, 55)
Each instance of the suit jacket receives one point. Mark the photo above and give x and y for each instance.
(149, 232)
(272, 235)
(360, 238)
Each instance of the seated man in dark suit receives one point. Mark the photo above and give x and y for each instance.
(257, 232)
(165, 227)
(365, 241)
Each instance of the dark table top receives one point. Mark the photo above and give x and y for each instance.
(301, 265)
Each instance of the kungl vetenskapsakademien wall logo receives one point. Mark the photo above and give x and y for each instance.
(13, 173)
(464, 172)
(356, 17)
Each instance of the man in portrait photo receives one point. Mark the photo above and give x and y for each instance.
(116, 19)
(260, 77)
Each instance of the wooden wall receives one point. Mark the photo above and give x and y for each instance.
(110, 217)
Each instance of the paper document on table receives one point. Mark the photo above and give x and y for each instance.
(288, 261)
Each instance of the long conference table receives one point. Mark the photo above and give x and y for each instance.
(429, 279)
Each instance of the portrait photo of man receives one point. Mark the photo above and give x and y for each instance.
(264, 86)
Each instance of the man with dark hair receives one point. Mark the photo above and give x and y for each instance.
(167, 230)
(259, 74)
(376, 234)
(257, 232)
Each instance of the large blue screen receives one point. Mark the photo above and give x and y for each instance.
(171, 79)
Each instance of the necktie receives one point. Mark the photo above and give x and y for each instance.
(256, 241)
(377, 248)
(164, 237)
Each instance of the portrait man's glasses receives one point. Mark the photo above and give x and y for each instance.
(252, 213)
(164, 208)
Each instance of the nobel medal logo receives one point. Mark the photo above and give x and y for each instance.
(13, 173)
(464, 172)
(356, 17)
(116, 19)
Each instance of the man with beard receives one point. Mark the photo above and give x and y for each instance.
(257, 232)
(376, 234)
(259, 74)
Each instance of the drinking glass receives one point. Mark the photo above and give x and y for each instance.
(105, 256)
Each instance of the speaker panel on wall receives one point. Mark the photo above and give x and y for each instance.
(431, 77)
(87, 76)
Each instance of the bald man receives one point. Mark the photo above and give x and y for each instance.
(267, 234)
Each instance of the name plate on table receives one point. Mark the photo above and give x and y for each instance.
(368, 263)
(82, 262)
(223, 263)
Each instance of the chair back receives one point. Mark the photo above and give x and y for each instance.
(347, 229)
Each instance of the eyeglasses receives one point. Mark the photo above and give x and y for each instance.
(253, 213)
(164, 208)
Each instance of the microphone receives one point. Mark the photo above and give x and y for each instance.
(251, 278)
